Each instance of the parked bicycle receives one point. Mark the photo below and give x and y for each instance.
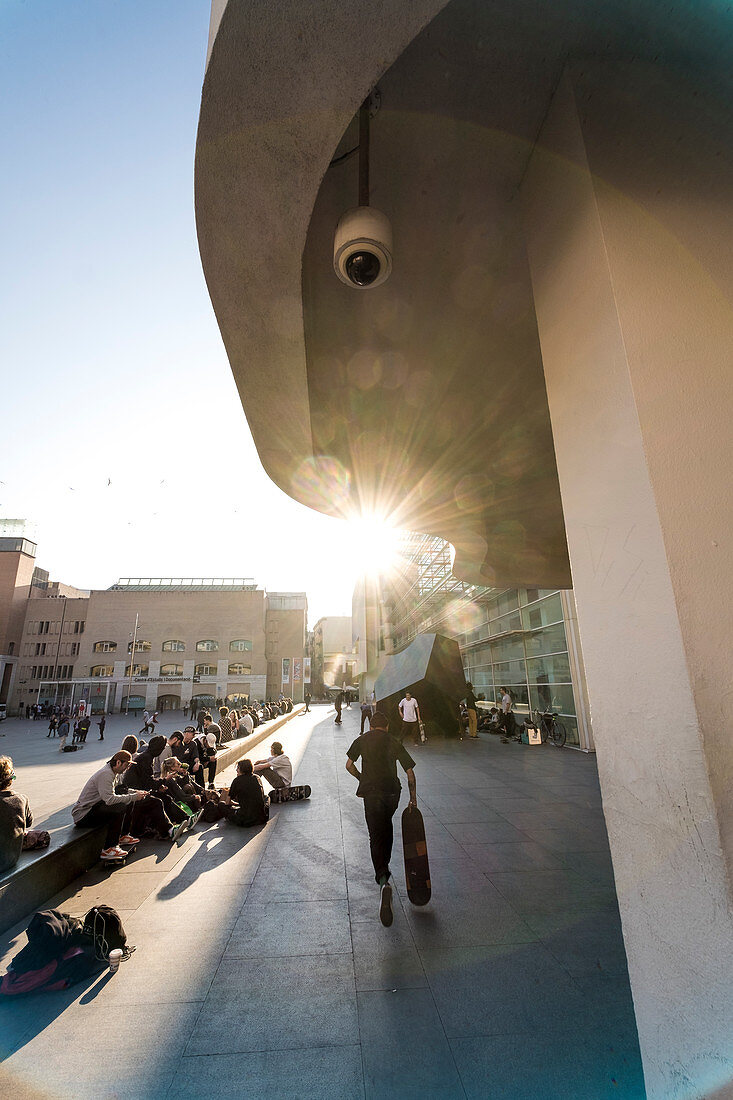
(550, 727)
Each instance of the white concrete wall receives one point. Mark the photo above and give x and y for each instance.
(659, 802)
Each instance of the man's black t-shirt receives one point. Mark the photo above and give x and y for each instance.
(379, 753)
(470, 700)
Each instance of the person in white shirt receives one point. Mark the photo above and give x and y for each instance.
(246, 725)
(507, 718)
(410, 714)
(277, 769)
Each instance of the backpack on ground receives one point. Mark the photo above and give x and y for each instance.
(103, 925)
(58, 955)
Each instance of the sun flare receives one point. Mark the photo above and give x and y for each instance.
(374, 544)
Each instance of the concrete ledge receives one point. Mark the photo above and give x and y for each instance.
(40, 875)
(239, 747)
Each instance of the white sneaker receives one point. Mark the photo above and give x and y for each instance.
(113, 853)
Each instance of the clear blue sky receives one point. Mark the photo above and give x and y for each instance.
(112, 364)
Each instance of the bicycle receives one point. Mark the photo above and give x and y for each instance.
(551, 729)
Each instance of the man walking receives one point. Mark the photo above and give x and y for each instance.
(366, 714)
(410, 715)
(307, 700)
(102, 723)
(338, 705)
(380, 788)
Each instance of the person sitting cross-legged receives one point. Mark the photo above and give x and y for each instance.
(276, 769)
(244, 804)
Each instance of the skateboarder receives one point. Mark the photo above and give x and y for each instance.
(380, 788)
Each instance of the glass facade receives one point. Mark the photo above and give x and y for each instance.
(522, 645)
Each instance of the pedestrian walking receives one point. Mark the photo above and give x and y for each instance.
(366, 714)
(307, 700)
(102, 723)
(52, 726)
(338, 704)
(380, 788)
(410, 715)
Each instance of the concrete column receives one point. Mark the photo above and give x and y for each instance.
(577, 670)
(628, 204)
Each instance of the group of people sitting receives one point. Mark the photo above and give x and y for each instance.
(163, 788)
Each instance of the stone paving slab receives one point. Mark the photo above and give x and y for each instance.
(262, 968)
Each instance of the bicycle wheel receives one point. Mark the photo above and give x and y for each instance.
(558, 734)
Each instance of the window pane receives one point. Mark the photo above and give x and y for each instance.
(542, 613)
(508, 649)
(510, 673)
(207, 645)
(507, 622)
(543, 670)
(549, 640)
(557, 697)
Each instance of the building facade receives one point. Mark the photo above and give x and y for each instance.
(525, 639)
(160, 643)
(333, 664)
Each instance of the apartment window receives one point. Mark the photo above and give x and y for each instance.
(137, 670)
(239, 670)
(171, 670)
(207, 645)
(104, 647)
(74, 648)
(140, 647)
(174, 645)
(101, 670)
(205, 670)
(240, 645)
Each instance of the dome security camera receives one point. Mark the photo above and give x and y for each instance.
(362, 248)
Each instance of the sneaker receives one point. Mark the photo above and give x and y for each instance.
(113, 853)
(127, 839)
(385, 905)
(175, 830)
(195, 818)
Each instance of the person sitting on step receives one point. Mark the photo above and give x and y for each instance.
(276, 769)
(244, 804)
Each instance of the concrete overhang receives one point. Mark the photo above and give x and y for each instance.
(424, 398)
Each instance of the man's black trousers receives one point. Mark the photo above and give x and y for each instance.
(379, 809)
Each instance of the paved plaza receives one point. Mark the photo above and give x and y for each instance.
(261, 967)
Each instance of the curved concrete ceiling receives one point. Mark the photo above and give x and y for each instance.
(423, 398)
